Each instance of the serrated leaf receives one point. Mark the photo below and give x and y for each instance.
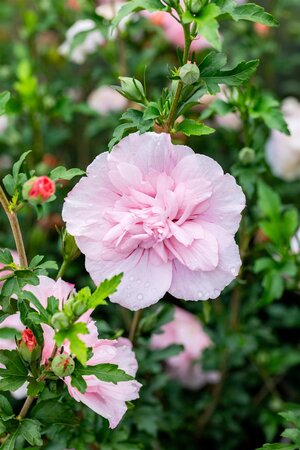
(104, 290)
(30, 429)
(105, 372)
(51, 411)
(137, 5)
(253, 13)
(77, 346)
(14, 375)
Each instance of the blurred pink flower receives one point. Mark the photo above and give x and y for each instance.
(185, 329)
(105, 99)
(161, 214)
(282, 151)
(174, 31)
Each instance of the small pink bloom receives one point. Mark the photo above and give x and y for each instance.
(39, 189)
(161, 214)
(186, 330)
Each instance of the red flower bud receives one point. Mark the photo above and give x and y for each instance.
(38, 189)
(29, 339)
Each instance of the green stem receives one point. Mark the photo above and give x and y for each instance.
(134, 324)
(15, 228)
(187, 44)
(62, 269)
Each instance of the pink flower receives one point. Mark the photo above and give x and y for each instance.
(186, 330)
(108, 399)
(39, 189)
(28, 338)
(173, 30)
(105, 398)
(161, 214)
(105, 99)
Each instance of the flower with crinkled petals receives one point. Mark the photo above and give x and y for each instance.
(185, 329)
(161, 214)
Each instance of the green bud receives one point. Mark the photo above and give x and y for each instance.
(63, 365)
(132, 89)
(195, 6)
(247, 156)
(189, 73)
(78, 308)
(60, 321)
(70, 249)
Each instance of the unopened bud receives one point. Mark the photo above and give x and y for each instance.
(28, 346)
(78, 308)
(195, 6)
(63, 365)
(189, 73)
(247, 156)
(132, 88)
(60, 321)
(38, 189)
(70, 249)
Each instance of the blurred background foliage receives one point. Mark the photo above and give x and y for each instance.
(255, 327)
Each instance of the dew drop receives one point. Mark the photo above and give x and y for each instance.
(200, 294)
(138, 281)
(140, 296)
(206, 294)
(128, 287)
(233, 270)
(216, 292)
(131, 278)
(147, 285)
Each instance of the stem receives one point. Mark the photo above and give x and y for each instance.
(187, 44)
(62, 270)
(26, 407)
(134, 324)
(15, 228)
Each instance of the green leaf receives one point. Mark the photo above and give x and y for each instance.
(137, 5)
(267, 108)
(104, 290)
(15, 373)
(6, 411)
(52, 411)
(77, 346)
(45, 316)
(29, 318)
(253, 13)
(268, 201)
(6, 257)
(78, 382)
(4, 97)
(212, 76)
(30, 429)
(61, 173)
(105, 372)
(34, 387)
(9, 444)
(193, 128)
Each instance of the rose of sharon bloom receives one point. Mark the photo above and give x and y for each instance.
(105, 398)
(39, 189)
(161, 214)
(185, 329)
(282, 151)
(105, 99)
(92, 40)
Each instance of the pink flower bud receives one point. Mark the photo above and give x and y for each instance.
(39, 189)
(261, 30)
(28, 338)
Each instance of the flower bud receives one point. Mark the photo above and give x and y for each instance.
(60, 321)
(38, 189)
(195, 6)
(132, 89)
(189, 73)
(78, 308)
(28, 346)
(247, 156)
(63, 365)
(70, 249)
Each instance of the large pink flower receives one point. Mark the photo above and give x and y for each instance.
(186, 330)
(161, 214)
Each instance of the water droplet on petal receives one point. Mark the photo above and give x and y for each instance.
(216, 292)
(138, 281)
(128, 287)
(200, 294)
(147, 285)
(207, 294)
(140, 297)
(233, 270)
(131, 278)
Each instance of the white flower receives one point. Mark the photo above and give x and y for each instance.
(92, 40)
(282, 151)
